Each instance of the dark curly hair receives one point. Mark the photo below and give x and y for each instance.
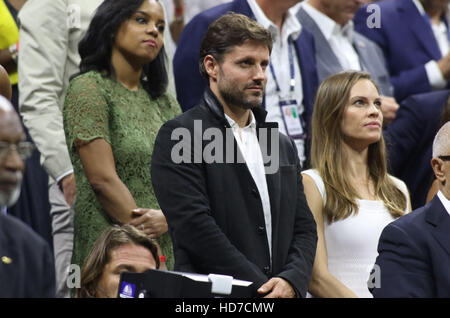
(96, 46)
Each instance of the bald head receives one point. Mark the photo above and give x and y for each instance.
(439, 163)
(5, 85)
(441, 144)
(8, 115)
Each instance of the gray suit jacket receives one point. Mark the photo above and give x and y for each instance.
(370, 55)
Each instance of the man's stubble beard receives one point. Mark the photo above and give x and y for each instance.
(232, 95)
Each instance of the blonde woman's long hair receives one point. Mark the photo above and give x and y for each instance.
(327, 155)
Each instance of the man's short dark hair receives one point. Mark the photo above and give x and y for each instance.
(228, 31)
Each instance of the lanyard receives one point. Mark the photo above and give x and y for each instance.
(291, 67)
(293, 122)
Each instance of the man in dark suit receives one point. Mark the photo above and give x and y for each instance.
(232, 208)
(409, 140)
(293, 61)
(414, 251)
(26, 264)
(410, 34)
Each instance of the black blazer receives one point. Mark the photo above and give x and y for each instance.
(414, 255)
(214, 211)
(26, 262)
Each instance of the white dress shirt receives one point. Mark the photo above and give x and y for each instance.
(280, 61)
(339, 37)
(191, 8)
(248, 143)
(444, 200)
(434, 74)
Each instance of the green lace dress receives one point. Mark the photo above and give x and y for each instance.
(97, 106)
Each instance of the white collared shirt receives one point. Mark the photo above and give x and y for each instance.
(434, 74)
(339, 37)
(248, 143)
(444, 200)
(280, 61)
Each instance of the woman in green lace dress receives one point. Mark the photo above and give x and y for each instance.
(112, 113)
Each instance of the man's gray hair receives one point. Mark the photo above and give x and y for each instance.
(441, 143)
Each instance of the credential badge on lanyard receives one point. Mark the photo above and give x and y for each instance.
(293, 122)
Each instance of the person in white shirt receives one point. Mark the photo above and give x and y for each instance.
(349, 191)
(414, 38)
(339, 47)
(233, 216)
(180, 12)
(291, 75)
(436, 13)
(414, 251)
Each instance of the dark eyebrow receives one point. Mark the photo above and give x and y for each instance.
(246, 58)
(148, 16)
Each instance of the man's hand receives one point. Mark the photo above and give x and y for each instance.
(444, 66)
(68, 188)
(151, 222)
(389, 109)
(278, 288)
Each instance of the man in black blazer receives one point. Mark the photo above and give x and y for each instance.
(414, 251)
(26, 262)
(227, 212)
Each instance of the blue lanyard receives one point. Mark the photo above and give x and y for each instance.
(291, 66)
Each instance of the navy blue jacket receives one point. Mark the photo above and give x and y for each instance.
(414, 255)
(409, 140)
(407, 41)
(190, 85)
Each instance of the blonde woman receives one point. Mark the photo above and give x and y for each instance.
(348, 190)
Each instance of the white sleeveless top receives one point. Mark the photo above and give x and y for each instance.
(352, 242)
